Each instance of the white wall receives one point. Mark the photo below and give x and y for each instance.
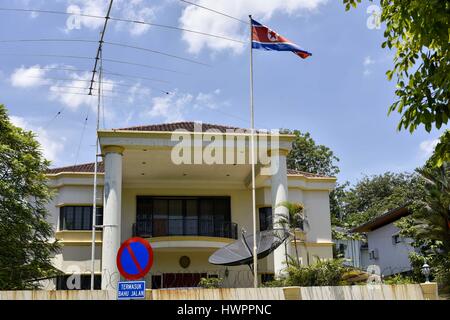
(392, 258)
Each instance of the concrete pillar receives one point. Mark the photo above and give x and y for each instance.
(111, 216)
(430, 290)
(279, 188)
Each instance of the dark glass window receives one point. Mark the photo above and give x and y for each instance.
(265, 218)
(85, 282)
(78, 217)
(163, 216)
(267, 277)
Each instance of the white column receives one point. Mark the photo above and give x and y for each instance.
(111, 216)
(279, 188)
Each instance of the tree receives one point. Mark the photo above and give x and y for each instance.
(429, 224)
(310, 157)
(418, 31)
(441, 153)
(307, 156)
(374, 195)
(292, 222)
(26, 250)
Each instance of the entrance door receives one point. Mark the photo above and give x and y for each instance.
(182, 280)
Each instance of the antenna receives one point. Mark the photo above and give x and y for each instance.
(94, 200)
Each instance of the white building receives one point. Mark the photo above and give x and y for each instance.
(353, 251)
(387, 249)
(186, 211)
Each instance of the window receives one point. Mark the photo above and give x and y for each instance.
(265, 218)
(396, 239)
(70, 282)
(373, 255)
(156, 282)
(267, 277)
(78, 217)
(171, 216)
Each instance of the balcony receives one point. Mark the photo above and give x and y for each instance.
(185, 227)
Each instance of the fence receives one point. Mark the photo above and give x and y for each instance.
(426, 291)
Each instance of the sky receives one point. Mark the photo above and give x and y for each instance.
(340, 95)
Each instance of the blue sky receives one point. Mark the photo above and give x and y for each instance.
(340, 95)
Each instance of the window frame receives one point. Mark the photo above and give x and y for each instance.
(206, 222)
(80, 218)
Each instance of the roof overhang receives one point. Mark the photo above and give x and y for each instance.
(388, 217)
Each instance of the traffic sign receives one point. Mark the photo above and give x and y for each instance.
(131, 290)
(134, 258)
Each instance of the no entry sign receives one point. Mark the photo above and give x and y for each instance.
(135, 258)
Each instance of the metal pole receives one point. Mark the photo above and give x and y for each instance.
(252, 147)
(94, 200)
(98, 59)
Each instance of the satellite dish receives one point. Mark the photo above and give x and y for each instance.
(240, 252)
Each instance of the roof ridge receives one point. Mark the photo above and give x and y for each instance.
(181, 124)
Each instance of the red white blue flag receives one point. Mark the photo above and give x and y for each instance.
(267, 39)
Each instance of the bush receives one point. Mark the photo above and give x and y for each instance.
(210, 283)
(399, 279)
(322, 273)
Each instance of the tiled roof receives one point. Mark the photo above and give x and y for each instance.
(384, 219)
(188, 126)
(293, 172)
(81, 168)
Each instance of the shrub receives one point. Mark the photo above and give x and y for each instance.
(399, 279)
(322, 273)
(210, 283)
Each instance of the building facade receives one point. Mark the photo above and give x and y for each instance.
(152, 186)
(388, 252)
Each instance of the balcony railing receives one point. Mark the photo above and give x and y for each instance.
(185, 227)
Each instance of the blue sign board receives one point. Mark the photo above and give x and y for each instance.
(131, 290)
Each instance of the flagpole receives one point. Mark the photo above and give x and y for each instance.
(252, 147)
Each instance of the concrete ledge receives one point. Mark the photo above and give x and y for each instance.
(292, 293)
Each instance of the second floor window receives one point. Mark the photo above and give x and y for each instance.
(265, 218)
(78, 217)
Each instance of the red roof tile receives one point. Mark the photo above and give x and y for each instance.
(81, 168)
(188, 126)
(306, 174)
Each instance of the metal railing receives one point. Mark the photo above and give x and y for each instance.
(185, 227)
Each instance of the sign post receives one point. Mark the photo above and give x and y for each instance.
(134, 260)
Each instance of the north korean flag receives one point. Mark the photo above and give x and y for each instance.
(267, 39)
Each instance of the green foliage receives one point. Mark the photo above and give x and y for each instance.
(292, 221)
(26, 251)
(429, 225)
(322, 273)
(210, 283)
(374, 195)
(431, 216)
(441, 153)
(399, 279)
(307, 156)
(337, 197)
(419, 33)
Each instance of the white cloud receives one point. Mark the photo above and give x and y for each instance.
(427, 147)
(207, 100)
(175, 106)
(138, 91)
(71, 92)
(28, 77)
(133, 10)
(367, 63)
(73, 97)
(52, 146)
(200, 19)
(170, 107)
